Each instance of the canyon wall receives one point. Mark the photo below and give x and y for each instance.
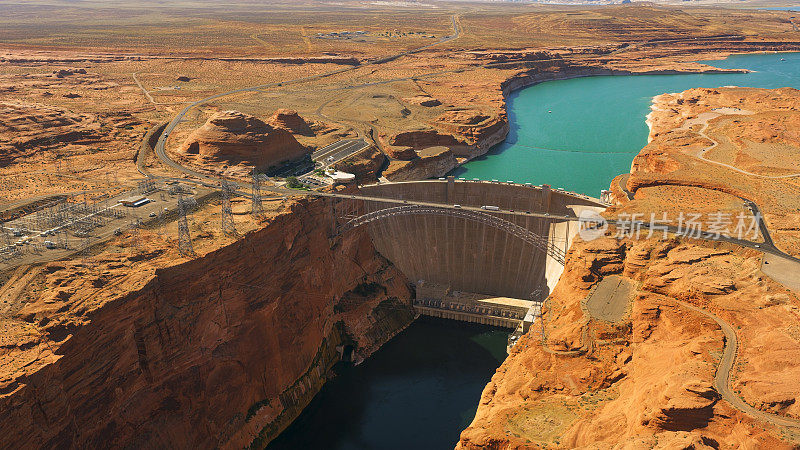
(220, 351)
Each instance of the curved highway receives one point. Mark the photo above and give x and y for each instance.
(723, 374)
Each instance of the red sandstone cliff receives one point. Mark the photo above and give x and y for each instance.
(221, 351)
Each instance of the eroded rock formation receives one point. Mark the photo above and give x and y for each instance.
(291, 120)
(434, 162)
(28, 128)
(234, 138)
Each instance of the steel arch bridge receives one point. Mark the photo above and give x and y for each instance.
(528, 236)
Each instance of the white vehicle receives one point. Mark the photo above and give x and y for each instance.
(456, 206)
(490, 208)
(49, 244)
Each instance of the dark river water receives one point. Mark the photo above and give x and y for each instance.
(419, 391)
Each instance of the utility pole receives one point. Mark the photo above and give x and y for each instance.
(258, 208)
(227, 225)
(184, 239)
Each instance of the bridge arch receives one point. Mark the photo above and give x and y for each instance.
(526, 235)
(467, 249)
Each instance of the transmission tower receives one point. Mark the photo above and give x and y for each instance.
(258, 208)
(184, 240)
(135, 235)
(228, 226)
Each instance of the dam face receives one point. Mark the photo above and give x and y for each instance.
(469, 256)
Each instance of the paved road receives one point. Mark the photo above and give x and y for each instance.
(146, 148)
(338, 151)
(723, 374)
(623, 182)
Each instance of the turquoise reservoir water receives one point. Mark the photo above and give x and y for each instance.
(578, 134)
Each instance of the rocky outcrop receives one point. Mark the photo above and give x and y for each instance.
(404, 145)
(477, 129)
(22, 132)
(648, 377)
(423, 100)
(435, 162)
(235, 138)
(153, 350)
(61, 73)
(512, 55)
(290, 120)
(365, 165)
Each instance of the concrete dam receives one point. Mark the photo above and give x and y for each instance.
(476, 260)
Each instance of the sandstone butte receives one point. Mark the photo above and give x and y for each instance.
(233, 138)
(647, 381)
(290, 120)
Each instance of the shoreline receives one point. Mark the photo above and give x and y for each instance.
(521, 81)
(518, 83)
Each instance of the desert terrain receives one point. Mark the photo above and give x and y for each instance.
(123, 338)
